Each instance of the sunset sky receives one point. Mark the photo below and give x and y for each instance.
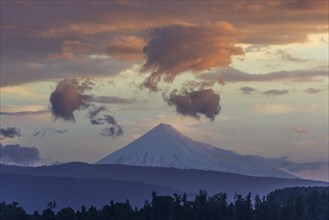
(264, 63)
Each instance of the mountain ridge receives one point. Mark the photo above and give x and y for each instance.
(96, 178)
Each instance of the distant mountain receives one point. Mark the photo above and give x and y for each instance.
(164, 146)
(32, 186)
(34, 192)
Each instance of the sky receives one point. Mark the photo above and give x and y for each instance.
(81, 79)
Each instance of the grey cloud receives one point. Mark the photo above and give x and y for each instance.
(256, 48)
(10, 132)
(247, 90)
(49, 131)
(275, 92)
(101, 116)
(73, 94)
(195, 103)
(312, 90)
(113, 100)
(69, 96)
(16, 154)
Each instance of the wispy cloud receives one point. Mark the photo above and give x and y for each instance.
(72, 49)
(19, 91)
(49, 131)
(128, 48)
(247, 90)
(24, 113)
(113, 100)
(300, 129)
(285, 56)
(234, 75)
(285, 163)
(275, 92)
(313, 90)
(275, 109)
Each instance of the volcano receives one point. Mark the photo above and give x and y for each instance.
(164, 146)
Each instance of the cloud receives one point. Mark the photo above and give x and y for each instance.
(128, 48)
(23, 113)
(26, 45)
(275, 92)
(113, 100)
(16, 154)
(10, 132)
(195, 103)
(73, 94)
(171, 50)
(19, 91)
(101, 116)
(69, 96)
(312, 90)
(300, 130)
(285, 56)
(285, 163)
(70, 49)
(301, 5)
(234, 75)
(275, 109)
(45, 131)
(247, 90)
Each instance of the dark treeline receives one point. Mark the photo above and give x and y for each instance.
(298, 203)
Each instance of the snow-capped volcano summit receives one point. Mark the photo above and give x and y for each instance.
(164, 146)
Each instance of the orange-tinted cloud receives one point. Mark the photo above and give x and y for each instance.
(70, 49)
(127, 48)
(29, 33)
(174, 49)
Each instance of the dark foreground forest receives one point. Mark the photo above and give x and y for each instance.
(298, 203)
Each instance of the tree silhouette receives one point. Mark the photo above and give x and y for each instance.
(297, 203)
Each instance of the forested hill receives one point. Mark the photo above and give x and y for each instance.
(298, 203)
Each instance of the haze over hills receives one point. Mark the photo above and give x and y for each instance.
(34, 192)
(76, 184)
(164, 146)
